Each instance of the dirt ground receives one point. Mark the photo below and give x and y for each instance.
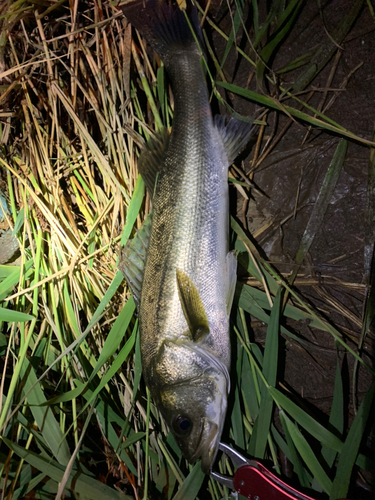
(287, 183)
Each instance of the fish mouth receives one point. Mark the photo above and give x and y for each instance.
(208, 447)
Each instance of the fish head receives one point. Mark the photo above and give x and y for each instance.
(192, 397)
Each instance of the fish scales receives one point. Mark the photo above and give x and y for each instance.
(190, 220)
(188, 276)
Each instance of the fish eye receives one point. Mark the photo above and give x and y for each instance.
(182, 425)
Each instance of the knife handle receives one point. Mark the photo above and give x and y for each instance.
(256, 482)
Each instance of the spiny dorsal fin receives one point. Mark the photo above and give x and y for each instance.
(151, 159)
(133, 257)
(192, 306)
(235, 135)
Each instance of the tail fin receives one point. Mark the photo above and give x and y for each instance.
(164, 25)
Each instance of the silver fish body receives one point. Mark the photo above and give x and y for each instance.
(189, 276)
(190, 223)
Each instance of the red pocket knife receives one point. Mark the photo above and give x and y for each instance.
(254, 481)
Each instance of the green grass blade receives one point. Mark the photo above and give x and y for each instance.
(43, 415)
(293, 456)
(69, 309)
(114, 367)
(115, 336)
(350, 447)
(308, 455)
(102, 407)
(314, 428)
(237, 18)
(249, 387)
(106, 416)
(284, 24)
(131, 440)
(243, 245)
(246, 302)
(14, 316)
(66, 396)
(137, 365)
(6, 271)
(133, 209)
(19, 221)
(306, 421)
(325, 52)
(236, 420)
(262, 424)
(322, 202)
(296, 63)
(191, 485)
(6, 286)
(336, 418)
(255, 17)
(80, 483)
(27, 487)
(273, 104)
(275, 8)
(170, 459)
(70, 465)
(259, 297)
(326, 326)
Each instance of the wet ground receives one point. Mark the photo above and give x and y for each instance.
(288, 180)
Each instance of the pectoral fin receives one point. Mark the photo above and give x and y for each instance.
(235, 135)
(192, 306)
(151, 159)
(133, 257)
(231, 278)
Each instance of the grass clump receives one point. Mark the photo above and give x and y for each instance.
(79, 92)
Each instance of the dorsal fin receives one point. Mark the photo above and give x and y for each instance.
(133, 257)
(151, 159)
(235, 135)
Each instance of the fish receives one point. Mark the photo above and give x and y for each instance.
(178, 266)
